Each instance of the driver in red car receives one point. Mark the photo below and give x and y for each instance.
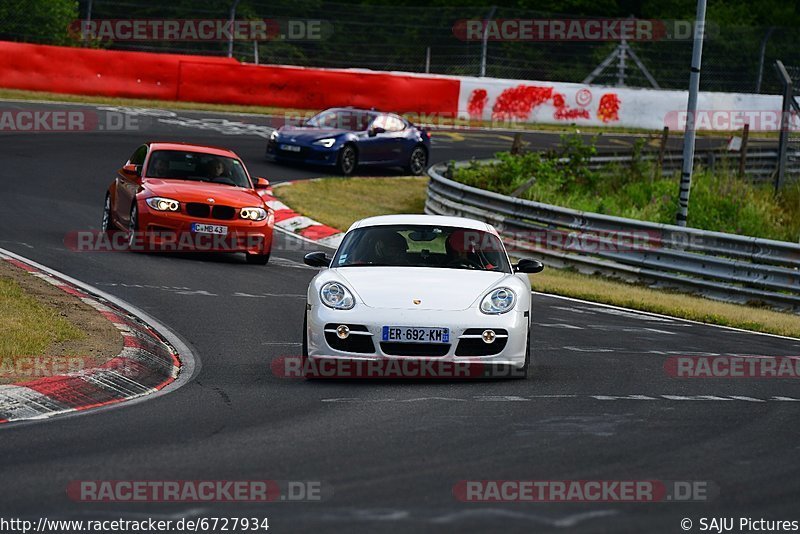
(216, 169)
(160, 168)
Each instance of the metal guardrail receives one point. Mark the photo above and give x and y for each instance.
(759, 165)
(723, 266)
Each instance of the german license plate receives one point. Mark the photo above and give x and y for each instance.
(200, 228)
(415, 334)
(290, 148)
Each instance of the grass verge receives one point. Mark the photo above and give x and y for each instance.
(27, 326)
(721, 201)
(339, 202)
(42, 324)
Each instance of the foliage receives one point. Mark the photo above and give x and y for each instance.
(719, 201)
(396, 34)
(38, 20)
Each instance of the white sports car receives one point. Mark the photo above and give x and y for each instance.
(420, 287)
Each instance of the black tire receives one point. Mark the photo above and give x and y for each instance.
(133, 228)
(257, 259)
(348, 160)
(523, 372)
(304, 352)
(107, 223)
(305, 335)
(417, 161)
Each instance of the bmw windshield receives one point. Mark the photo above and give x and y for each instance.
(198, 167)
(422, 246)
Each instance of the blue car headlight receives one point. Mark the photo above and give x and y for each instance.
(327, 142)
(274, 135)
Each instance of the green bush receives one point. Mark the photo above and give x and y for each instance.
(39, 21)
(720, 201)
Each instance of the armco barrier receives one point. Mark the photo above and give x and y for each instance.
(723, 266)
(760, 165)
(217, 80)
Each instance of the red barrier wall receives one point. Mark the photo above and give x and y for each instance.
(215, 80)
(315, 88)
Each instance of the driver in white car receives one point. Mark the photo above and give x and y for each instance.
(390, 248)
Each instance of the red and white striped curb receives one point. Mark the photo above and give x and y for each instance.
(294, 223)
(146, 364)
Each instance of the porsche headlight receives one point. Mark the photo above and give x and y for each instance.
(335, 295)
(327, 143)
(163, 204)
(499, 301)
(253, 214)
(274, 135)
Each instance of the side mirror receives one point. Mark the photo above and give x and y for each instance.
(132, 170)
(529, 266)
(317, 259)
(375, 131)
(261, 183)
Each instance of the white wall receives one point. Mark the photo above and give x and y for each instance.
(637, 108)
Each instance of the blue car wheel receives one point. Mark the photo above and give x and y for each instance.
(348, 160)
(417, 161)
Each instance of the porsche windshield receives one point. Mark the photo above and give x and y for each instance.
(196, 166)
(422, 246)
(342, 119)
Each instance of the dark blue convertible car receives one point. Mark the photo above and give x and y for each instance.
(346, 138)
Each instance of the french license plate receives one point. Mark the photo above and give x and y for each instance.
(200, 228)
(415, 334)
(290, 148)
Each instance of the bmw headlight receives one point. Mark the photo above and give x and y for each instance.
(499, 301)
(335, 295)
(274, 135)
(163, 204)
(327, 143)
(253, 214)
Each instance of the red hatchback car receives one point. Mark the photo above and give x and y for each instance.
(180, 197)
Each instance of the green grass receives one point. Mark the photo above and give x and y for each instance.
(27, 326)
(339, 202)
(720, 201)
(638, 297)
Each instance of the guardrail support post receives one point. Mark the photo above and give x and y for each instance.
(743, 151)
(516, 145)
(662, 148)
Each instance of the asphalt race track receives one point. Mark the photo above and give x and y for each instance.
(599, 406)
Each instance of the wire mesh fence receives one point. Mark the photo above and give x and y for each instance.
(392, 36)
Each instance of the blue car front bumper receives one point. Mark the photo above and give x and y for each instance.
(311, 155)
